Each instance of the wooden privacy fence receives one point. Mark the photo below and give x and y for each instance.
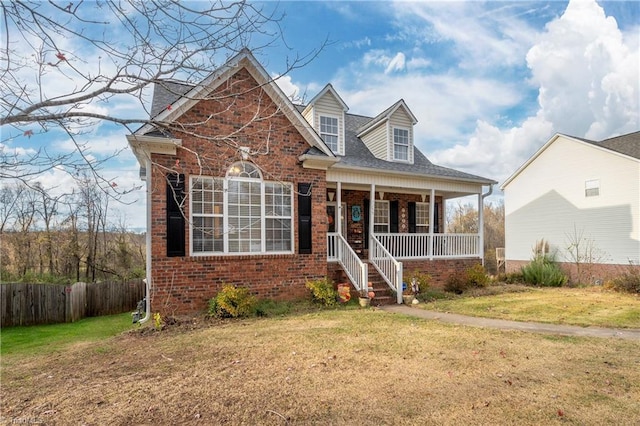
(29, 304)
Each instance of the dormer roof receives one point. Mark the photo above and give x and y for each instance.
(328, 89)
(386, 115)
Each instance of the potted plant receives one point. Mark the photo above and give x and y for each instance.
(366, 296)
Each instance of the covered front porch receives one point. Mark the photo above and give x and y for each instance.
(391, 227)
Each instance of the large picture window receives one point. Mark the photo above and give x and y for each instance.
(240, 213)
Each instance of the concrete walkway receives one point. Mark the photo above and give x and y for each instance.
(534, 327)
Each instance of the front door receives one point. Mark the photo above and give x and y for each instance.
(332, 217)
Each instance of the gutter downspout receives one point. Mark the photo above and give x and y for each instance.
(481, 220)
(148, 279)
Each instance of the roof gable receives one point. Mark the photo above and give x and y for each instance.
(328, 90)
(386, 115)
(193, 94)
(627, 145)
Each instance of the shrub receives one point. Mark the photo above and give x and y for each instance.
(232, 302)
(628, 282)
(544, 271)
(456, 283)
(476, 276)
(322, 291)
(422, 278)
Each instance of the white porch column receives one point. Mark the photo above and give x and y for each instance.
(432, 209)
(372, 209)
(339, 211)
(481, 226)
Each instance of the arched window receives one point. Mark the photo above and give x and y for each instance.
(241, 213)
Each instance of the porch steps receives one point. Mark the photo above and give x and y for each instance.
(384, 295)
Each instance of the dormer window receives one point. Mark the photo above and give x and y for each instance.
(400, 144)
(329, 131)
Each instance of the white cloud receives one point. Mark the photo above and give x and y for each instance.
(397, 63)
(290, 89)
(587, 79)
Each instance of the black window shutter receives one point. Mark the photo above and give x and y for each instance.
(412, 217)
(393, 216)
(436, 218)
(175, 216)
(304, 218)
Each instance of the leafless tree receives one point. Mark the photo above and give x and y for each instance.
(464, 219)
(67, 68)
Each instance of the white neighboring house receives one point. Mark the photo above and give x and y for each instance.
(574, 190)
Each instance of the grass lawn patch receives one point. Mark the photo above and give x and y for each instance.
(44, 339)
(338, 367)
(590, 306)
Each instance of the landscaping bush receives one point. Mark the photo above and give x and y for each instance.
(422, 278)
(628, 282)
(456, 283)
(232, 302)
(322, 291)
(476, 276)
(544, 271)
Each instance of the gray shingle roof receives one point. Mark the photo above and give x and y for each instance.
(628, 144)
(358, 155)
(165, 93)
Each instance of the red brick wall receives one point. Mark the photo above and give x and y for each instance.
(185, 284)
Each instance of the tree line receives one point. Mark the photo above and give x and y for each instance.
(463, 219)
(66, 237)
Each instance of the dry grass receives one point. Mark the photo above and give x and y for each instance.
(330, 368)
(577, 306)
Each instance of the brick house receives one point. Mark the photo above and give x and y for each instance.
(246, 188)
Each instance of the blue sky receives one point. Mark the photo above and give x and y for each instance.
(490, 82)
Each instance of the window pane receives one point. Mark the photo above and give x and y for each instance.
(329, 131)
(400, 144)
(381, 216)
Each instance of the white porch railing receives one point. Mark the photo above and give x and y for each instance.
(340, 251)
(388, 267)
(432, 246)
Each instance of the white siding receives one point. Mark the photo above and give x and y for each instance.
(377, 141)
(362, 180)
(328, 105)
(547, 200)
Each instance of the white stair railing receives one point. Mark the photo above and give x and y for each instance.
(338, 249)
(388, 267)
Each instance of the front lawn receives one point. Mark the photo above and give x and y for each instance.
(590, 306)
(44, 339)
(338, 367)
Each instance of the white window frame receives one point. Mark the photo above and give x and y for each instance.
(398, 144)
(323, 134)
(381, 216)
(592, 188)
(285, 216)
(422, 218)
